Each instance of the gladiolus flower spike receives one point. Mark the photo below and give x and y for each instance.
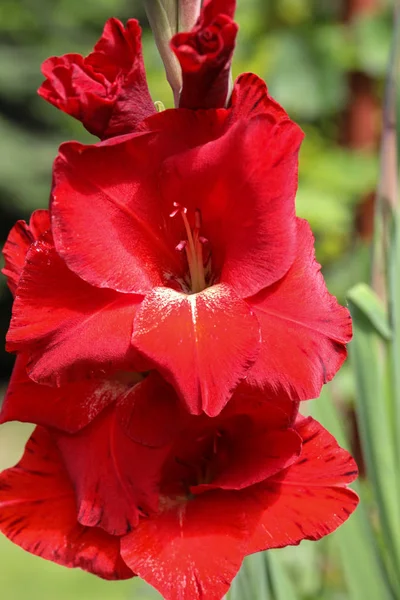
(169, 317)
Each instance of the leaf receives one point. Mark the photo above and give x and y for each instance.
(283, 588)
(369, 303)
(355, 541)
(373, 399)
(394, 310)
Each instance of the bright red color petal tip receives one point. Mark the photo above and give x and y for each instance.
(115, 479)
(304, 329)
(250, 98)
(19, 240)
(203, 343)
(310, 499)
(38, 512)
(107, 90)
(112, 188)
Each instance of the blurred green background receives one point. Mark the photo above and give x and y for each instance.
(325, 61)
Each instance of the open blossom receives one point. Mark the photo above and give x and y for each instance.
(180, 245)
(177, 499)
(178, 240)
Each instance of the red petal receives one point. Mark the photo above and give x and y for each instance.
(107, 90)
(115, 479)
(304, 329)
(69, 408)
(309, 499)
(151, 413)
(205, 55)
(250, 98)
(203, 343)
(115, 187)
(244, 184)
(194, 549)
(18, 242)
(112, 189)
(70, 329)
(322, 462)
(37, 512)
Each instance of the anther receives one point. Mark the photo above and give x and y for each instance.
(193, 247)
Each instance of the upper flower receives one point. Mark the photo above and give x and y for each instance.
(180, 500)
(122, 262)
(107, 90)
(177, 248)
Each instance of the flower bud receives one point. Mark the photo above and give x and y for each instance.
(166, 18)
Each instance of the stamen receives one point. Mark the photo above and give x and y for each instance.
(178, 209)
(192, 247)
(181, 246)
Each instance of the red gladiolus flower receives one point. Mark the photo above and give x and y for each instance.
(191, 242)
(169, 315)
(179, 500)
(107, 90)
(205, 55)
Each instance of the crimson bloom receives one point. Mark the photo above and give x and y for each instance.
(224, 289)
(177, 246)
(107, 90)
(178, 499)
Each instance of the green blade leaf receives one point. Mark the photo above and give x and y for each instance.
(283, 588)
(369, 357)
(369, 303)
(394, 311)
(355, 541)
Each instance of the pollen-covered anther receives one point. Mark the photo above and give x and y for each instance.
(193, 247)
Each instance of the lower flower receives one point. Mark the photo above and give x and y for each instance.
(177, 499)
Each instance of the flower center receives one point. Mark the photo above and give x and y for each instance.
(195, 460)
(193, 247)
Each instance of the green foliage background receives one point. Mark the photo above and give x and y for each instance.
(304, 52)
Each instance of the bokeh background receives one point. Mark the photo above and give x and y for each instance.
(325, 61)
